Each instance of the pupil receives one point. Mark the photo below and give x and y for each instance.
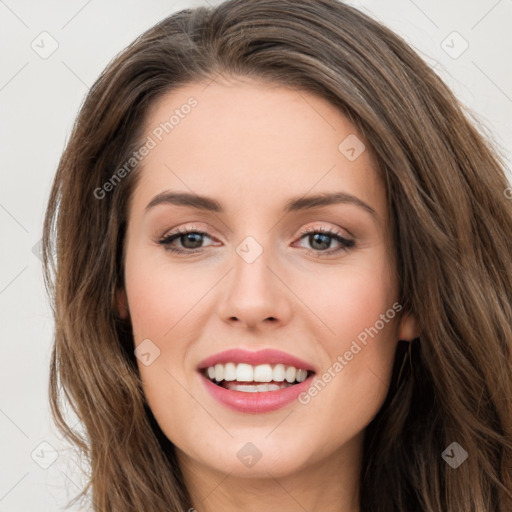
(189, 237)
(321, 238)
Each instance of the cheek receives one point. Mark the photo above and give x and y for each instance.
(159, 297)
(161, 304)
(358, 307)
(167, 306)
(349, 299)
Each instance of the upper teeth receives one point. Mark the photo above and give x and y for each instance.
(243, 372)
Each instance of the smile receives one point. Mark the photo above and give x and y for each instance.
(236, 380)
(253, 379)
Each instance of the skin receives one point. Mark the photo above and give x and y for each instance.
(253, 146)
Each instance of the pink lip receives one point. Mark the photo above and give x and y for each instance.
(258, 402)
(268, 355)
(265, 401)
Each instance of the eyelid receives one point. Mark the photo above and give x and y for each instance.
(207, 231)
(311, 228)
(186, 228)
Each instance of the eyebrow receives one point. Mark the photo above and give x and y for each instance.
(292, 205)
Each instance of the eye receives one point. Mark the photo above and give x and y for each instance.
(320, 240)
(191, 240)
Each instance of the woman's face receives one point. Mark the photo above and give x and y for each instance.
(259, 278)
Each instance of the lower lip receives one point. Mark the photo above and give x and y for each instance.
(257, 402)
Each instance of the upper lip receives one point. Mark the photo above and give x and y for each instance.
(264, 356)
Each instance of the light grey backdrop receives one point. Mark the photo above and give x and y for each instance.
(51, 53)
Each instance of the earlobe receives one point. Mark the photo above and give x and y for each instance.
(409, 328)
(122, 304)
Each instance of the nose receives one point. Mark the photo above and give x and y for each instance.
(255, 295)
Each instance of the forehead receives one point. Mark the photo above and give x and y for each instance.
(257, 141)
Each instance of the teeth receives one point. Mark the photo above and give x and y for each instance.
(263, 373)
(229, 372)
(301, 375)
(278, 373)
(290, 374)
(219, 372)
(258, 388)
(244, 372)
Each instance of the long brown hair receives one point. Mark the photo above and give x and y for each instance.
(452, 233)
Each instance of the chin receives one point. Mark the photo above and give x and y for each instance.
(256, 455)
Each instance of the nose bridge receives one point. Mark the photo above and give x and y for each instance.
(254, 293)
(252, 279)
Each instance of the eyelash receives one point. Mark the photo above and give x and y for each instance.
(346, 243)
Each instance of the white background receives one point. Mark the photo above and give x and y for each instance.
(39, 99)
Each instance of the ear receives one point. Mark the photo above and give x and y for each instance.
(408, 328)
(122, 304)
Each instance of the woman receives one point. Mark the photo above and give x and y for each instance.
(282, 276)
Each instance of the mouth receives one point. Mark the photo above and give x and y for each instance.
(255, 382)
(262, 378)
